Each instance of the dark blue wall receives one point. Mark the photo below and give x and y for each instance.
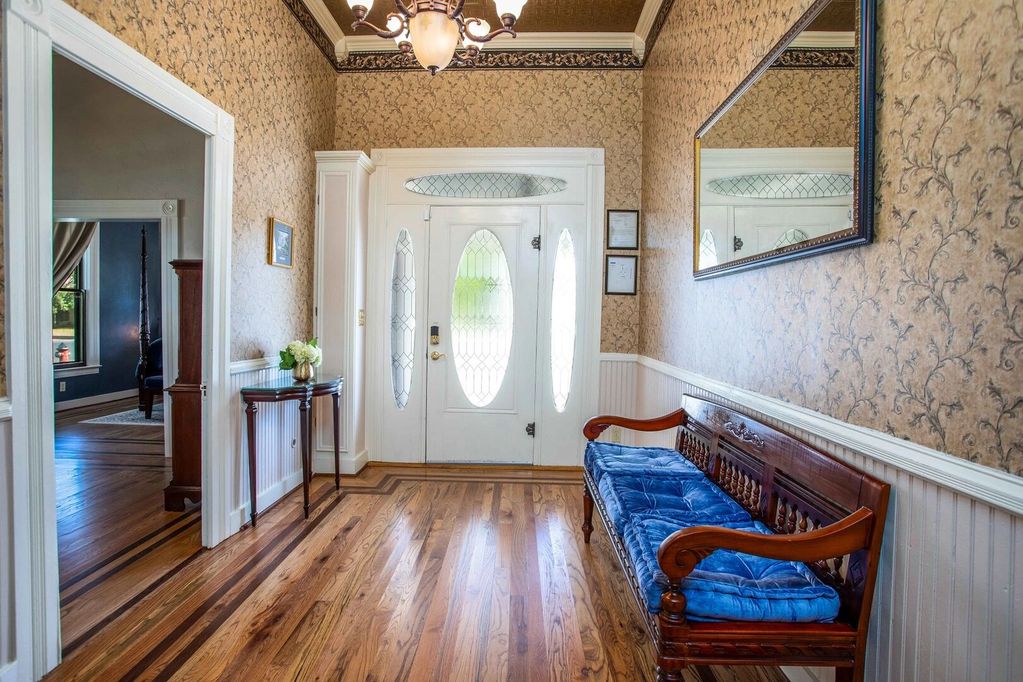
(119, 271)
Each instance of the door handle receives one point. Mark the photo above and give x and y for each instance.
(435, 355)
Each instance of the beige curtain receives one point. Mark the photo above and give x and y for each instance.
(70, 240)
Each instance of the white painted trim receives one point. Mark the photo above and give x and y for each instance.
(825, 40)
(9, 673)
(94, 399)
(330, 26)
(646, 22)
(80, 371)
(323, 462)
(34, 31)
(539, 41)
(253, 365)
(5, 409)
(264, 498)
(990, 486)
(167, 212)
(488, 157)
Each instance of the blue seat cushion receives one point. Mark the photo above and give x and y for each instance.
(688, 500)
(603, 458)
(731, 586)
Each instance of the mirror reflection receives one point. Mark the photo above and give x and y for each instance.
(776, 169)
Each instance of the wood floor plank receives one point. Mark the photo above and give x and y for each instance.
(410, 573)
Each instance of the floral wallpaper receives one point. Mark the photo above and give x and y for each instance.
(515, 108)
(919, 334)
(791, 108)
(256, 62)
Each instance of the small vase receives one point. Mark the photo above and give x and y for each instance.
(303, 371)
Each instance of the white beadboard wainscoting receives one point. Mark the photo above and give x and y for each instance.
(949, 602)
(8, 652)
(278, 454)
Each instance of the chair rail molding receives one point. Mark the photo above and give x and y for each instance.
(34, 31)
(990, 486)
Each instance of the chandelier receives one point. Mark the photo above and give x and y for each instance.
(432, 29)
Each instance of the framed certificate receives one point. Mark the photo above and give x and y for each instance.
(620, 275)
(622, 229)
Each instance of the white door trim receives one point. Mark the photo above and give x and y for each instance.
(166, 211)
(34, 30)
(559, 441)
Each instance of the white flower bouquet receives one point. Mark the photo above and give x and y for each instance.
(300, 357)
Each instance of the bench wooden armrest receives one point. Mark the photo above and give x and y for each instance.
(597, 425)
(683, 549)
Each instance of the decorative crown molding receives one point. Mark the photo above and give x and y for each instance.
(655, 29)
(802, 58)
(504, 59)
(314, 29)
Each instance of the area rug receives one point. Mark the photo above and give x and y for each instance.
(131, 418)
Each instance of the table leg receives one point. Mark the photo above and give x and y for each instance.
(303, 419)
(250, 414)
(337, 440)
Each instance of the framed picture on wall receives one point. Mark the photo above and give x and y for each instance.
(623, 229)
(280, 244)
(620, 275)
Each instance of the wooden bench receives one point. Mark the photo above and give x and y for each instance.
(824, 513)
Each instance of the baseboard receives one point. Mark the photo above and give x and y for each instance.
(265, 498)
(62, 405)
(990, 486)
(351, 464)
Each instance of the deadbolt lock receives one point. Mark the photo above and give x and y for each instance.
(435, 335)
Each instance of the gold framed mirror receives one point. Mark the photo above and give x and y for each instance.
(784, 167)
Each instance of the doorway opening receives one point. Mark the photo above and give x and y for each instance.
(34, 35)
(483, 298)
(115, 344)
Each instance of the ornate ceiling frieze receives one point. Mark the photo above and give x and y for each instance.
(315, 31)
(506, 59)
(812, 58)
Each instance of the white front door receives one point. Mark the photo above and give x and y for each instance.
(481, 367)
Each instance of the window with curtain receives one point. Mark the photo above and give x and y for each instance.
(69, 303)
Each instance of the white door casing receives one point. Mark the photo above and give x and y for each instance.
(33, 31)
(398, 434)
(481, 394)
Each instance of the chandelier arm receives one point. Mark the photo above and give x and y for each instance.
(456, 11)
(509, 30)
(381, 32)
(402, 9)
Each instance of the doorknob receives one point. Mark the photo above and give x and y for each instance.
(435, 355)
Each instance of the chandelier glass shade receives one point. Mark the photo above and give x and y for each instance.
(431, 30)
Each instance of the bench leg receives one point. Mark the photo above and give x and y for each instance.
(587, 514)
(849, 674)
(669, 673)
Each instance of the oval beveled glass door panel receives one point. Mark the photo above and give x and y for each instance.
(563, 320)
(403, 318)
(481, 318)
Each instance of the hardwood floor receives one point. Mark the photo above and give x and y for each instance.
(114, 540)
(407, 574)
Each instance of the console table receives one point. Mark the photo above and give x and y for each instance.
(282, 390)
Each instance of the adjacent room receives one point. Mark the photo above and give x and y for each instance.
(512, 340)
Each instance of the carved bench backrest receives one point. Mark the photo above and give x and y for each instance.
(790, 486)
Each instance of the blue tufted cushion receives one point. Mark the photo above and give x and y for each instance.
(729, 585)
(689, 500)
(602, 458)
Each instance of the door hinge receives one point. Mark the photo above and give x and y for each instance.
(536, 242)
(531, 429)
(202, 389)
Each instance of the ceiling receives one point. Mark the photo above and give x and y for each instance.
(563, 16)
